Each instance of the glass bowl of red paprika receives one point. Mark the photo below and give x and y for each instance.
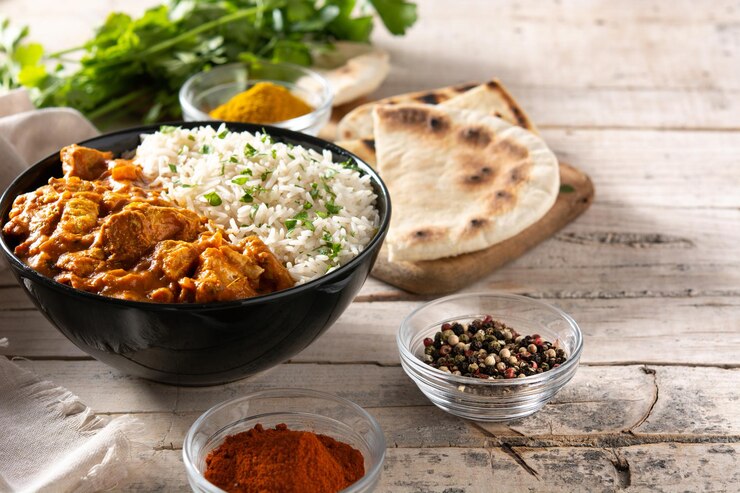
(513, 331)
(292, 439)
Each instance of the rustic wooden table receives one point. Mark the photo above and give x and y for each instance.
(642, 95)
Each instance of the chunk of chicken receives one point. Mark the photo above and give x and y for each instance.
(84, 162)
(276, 276)
(128, 235)
(80, 213)
(175, 258)
(224, 274)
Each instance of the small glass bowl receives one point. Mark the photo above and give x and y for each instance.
(301, 410)
(489, 400)
(205, 91)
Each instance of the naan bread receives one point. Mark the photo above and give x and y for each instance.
(490, 98)
(353, 70)
(358, 123)
(460, 181)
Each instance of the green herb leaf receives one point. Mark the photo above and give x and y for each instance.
(249, 150)
(397, 15)
(173, 168)
(213, 198)
(222, 134)
(233, 159)
(247, 198)
(265, 175)
(332, 208)
(567, 189)
(206, 149)
(290, 224)
(240, 180)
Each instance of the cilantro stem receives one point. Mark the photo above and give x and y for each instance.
(117, 103)
(238, 15)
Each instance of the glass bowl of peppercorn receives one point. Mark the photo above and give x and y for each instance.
(285, 440)
(489, 356)
(279, 94)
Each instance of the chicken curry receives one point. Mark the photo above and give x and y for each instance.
(101, 228)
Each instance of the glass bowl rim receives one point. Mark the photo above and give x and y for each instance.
(303, 121)
(369, 477)
(409, 358)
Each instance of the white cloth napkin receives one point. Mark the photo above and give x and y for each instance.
(51, 442)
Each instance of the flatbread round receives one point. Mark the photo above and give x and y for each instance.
(363, 68)
(490, 98)
(459, 181)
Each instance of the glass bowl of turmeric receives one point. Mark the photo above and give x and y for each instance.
(285, 440)
(278, 94)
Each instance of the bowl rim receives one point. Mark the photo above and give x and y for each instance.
(408, 357)
(381, 190)
(303, 121)
(377, 431)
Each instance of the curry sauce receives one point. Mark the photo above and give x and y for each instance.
(102, 229)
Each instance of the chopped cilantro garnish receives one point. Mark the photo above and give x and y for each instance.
(233, 159)
(249, 150)
(185, 185)
(213, 198)
(206, 149)
(332, 208)
(247, 172)
(264, 175)
(322, 214)
(266, 138)
(223, 133)
(241, 180)
(350, 164)
(307, 205)
(290, 224)
(314, 192)
(246, 198)
(167, 129)
(173, 168)
(274, 154)
(191, 137)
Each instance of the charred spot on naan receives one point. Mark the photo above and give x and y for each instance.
(369, 144)
(473, 227)
(424, 235)
(474, 136)
(509, 151)
(474, 173)
(426, 119)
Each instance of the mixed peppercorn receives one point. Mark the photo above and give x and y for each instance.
(489, 349)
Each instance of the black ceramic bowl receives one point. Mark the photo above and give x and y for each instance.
(195, 344)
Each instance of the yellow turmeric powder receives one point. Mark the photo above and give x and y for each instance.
(264, 102)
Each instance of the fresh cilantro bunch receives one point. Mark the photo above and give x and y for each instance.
(136, 66)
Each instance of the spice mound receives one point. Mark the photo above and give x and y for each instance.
(281, 460)
(264, 102)
(489, 349)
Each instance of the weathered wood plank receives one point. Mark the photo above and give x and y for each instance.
(643, 330)
(600, 400)
(660, 467)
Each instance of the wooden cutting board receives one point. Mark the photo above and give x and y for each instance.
(450, 274)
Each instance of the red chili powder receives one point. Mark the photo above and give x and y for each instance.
(281, 460)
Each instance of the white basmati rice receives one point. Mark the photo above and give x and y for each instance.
(313, 213)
